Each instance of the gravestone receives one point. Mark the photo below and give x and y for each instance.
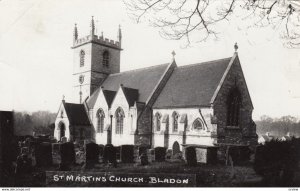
(176, 148)
(151, 155)
(144, 159)
(63, 139)
(67, 154)
(109, 154)
(169, 153)
(160, 153)
(190, 156)
(91, 153)
(56, 153)
(127, 153)
(43, 154)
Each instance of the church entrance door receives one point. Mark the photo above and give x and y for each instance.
(62, 130)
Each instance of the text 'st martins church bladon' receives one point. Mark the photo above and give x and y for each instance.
(164, 105)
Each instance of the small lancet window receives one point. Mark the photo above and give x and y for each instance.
(82, 55)
(100, 121)
(105, 58)
(175, 121)
(157, 121)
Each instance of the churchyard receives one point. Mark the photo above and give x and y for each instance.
(232, 166)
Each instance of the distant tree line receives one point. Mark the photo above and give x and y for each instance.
(278, 127)
(40, 122)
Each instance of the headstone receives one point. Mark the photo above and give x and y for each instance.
(190, 156)
(144, 159)
(169, 153)
(43, 154)
(67, 154)
(160, 153)
(63, 139)
(151, 155)
(109, 154)
(127, 153)
(91, 153)
(56, 153)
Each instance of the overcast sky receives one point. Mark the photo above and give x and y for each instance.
(36, 59)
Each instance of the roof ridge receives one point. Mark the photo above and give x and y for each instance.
(206, 62)
(133, 70)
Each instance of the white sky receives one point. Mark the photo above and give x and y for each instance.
(36, 59)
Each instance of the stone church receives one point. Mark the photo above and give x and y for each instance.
(164, 105)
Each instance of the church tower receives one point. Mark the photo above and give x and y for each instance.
(95, 57)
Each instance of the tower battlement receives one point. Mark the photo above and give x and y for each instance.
(93, 38)
(96, 39)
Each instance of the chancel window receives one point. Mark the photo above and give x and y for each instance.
(100, 121)
(175, 121)
(119, 115)
(105, 58)
(82, 55)
(157, 121)
(233, 107)
(197, 124)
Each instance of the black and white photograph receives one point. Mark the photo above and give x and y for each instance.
(149, 93)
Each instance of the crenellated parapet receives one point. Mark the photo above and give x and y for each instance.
(93, 38)
(98, 40)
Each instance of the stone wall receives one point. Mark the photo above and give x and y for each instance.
(246, 132)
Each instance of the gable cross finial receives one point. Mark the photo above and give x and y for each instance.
(235, 47)
(173, 54)
(63, 97)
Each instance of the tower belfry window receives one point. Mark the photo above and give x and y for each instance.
(82, 55)
(105, 58)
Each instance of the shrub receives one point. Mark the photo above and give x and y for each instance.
(239, 154)
(126, 153)
(143, 149)
(277, 161)
(160, 153)
(101, 150)
(190, 156)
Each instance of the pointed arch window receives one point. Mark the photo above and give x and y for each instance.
(197, 124)
(175, 121)
(157, 121)
(100, 120)
(233, 107)
(119, 115)
(105, 58)
(82, 55)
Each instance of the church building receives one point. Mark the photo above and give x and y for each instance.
(164, 105)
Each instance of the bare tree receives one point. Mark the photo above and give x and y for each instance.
(181, 19)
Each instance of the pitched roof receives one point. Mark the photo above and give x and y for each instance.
(131, 95)
(77, 114)
(144, 80)
(109, 96)
(192, 85)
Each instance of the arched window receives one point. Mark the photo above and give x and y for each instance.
(157, 121)
(119, 115)
(100, 121)
(175, 121)
(82, 55)
(105, 58)
(197, 124)
(233, 107)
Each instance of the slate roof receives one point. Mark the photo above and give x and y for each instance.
(76, 114)
(144, 80)
(192, 85)
(131, 95)
(109, 97)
